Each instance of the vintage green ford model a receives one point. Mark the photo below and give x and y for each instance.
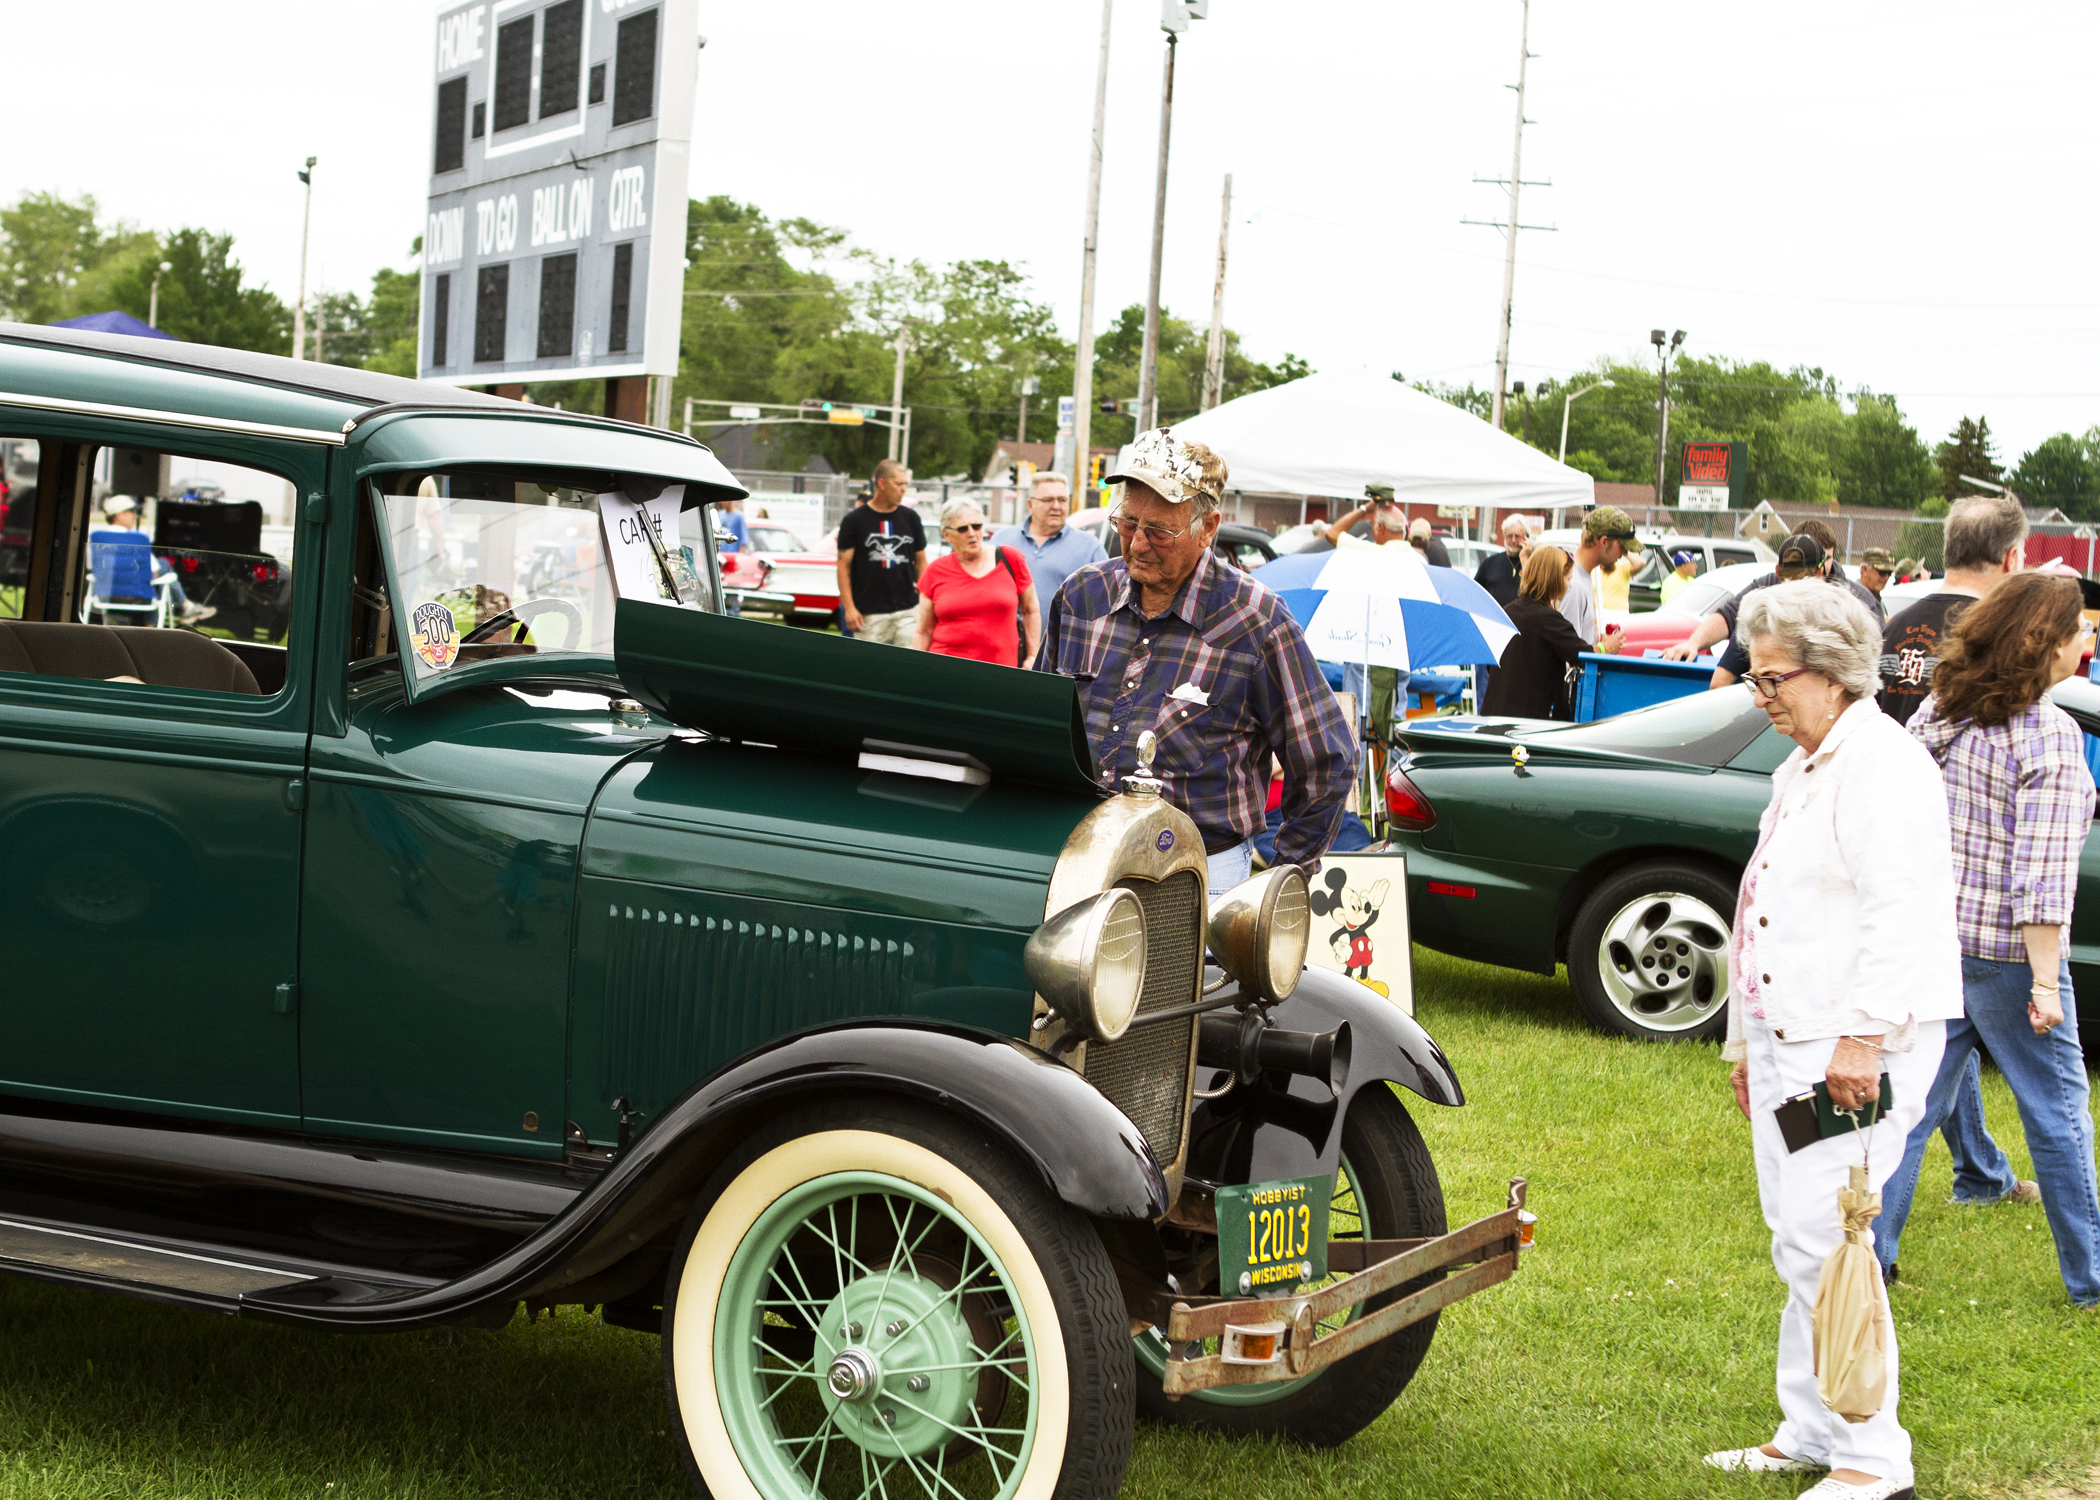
(513, 927)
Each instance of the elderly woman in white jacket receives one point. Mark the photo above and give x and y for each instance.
(1844, 966)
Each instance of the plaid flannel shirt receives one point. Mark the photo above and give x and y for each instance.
(1224, 678)
(2020, 802)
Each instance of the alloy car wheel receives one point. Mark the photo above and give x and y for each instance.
(1648, 953)
(1386, 1188)
(878, 1301)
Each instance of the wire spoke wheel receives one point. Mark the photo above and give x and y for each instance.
(916, 1381)
(1385, 1187)
(892, 1310)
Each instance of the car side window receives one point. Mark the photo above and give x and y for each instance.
(1723, 556)
(182, 577)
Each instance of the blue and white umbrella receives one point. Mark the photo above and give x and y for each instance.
(1388, 608)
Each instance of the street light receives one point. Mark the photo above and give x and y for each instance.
(153, 297)
(305, 232)
(1662, 426)
(1568, 401)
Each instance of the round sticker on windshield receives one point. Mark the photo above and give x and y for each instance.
(1166, 840)
(434, 635)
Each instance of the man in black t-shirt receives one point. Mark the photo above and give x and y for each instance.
(882, 552)
(1499, 572)
(1986, 537)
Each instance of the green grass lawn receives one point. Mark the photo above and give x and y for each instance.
(1638, 1335)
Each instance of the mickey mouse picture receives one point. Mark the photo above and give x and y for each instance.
(1354, 912)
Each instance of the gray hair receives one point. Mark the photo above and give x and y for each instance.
(1051, 476)
(956, 507)
(1982, 529)
(1819, 625)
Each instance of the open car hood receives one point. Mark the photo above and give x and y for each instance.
(781, 686)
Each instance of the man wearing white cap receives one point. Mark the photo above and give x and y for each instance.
(1166, 639)
(126, 566)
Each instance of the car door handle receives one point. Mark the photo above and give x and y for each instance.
(295, 794)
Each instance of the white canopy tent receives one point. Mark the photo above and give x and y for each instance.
(1333, 434)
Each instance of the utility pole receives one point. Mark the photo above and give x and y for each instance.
(1083, 354)
(897, 393)
(1515, 183)
(1148, 359)
(1214, 356)
(1029, 386)
(321, 327)
(1662, 404)
(305, 234)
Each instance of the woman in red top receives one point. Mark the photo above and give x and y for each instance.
(969, 599)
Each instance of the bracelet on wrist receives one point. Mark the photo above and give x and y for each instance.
(2044, 989)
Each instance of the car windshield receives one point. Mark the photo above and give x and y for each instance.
(491, 566)
(1699, 729)
(774, 539)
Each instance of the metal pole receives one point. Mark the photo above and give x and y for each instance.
(153, 298)
(1214, 356)
(1662, 423)
(904, 455)
(1509, 251)
(305, 234)
(1148, 360)
(897, 392)
(1566, 402)
(1083, 353)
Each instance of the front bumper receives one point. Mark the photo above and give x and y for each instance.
(1487, 1249)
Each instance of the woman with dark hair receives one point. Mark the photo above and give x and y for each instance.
(1530, 681)
(2020, 802)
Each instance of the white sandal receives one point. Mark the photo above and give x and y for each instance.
(1880, 1489)
(1757, 1461)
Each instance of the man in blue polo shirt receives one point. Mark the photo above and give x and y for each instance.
(1052, 550)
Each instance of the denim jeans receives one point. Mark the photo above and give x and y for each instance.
(2047, 1074)
(1228, 867)
(1981, 1172)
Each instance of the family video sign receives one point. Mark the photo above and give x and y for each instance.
(1712, 476)
(554, 244)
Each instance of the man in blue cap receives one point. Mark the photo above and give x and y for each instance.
(1684, 567)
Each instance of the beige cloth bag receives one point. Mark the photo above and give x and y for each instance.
(1852, 1329)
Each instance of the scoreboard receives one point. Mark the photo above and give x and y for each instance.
(554, 242)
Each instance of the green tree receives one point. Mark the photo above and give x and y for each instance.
(46, 245)
(1967, 455)
(203, 298)
(2059, 471)
(1886, 463)
(391, 318)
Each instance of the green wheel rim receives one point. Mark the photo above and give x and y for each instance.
(862, 1327)
(1345, 1222)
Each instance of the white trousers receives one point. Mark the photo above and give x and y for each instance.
(1798, 1193)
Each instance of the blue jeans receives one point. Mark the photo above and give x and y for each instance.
(2047, 1074)
(1981, 1172)
(1228, 867)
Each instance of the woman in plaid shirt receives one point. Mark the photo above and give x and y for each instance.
(2020, 803)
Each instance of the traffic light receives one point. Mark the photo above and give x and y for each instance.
(1095, 468)
(1111, 406)
(1013, 476)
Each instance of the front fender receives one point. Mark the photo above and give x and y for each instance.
(1086, 1150)
(1287, 1126)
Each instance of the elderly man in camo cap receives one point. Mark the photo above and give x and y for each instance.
(1169, 639)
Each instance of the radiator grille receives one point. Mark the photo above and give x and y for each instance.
(1146, 1074)
(685, 991)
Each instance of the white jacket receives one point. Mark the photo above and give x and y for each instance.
(1845, 921)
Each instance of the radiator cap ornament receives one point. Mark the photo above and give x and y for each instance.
(1144, 783)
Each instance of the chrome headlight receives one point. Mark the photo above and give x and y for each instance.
(1088, 963)
(1259, 931)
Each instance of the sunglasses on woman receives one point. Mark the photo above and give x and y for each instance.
(1768, 684)
(968, 526)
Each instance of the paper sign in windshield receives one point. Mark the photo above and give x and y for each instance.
(433, 635)
(637, 567)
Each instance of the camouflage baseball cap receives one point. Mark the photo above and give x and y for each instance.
(1608, 522)
(1878, 559)
(1175, 470)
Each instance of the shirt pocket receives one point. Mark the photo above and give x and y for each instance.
(1191, 734)
(1080, 654)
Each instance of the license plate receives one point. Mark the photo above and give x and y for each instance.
(1272, 1236)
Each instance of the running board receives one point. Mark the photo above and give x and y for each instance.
(157, 1272)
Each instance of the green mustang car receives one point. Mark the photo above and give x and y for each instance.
(516, 929)
(1615, 847)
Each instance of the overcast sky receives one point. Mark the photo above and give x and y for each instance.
(1902, 192)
